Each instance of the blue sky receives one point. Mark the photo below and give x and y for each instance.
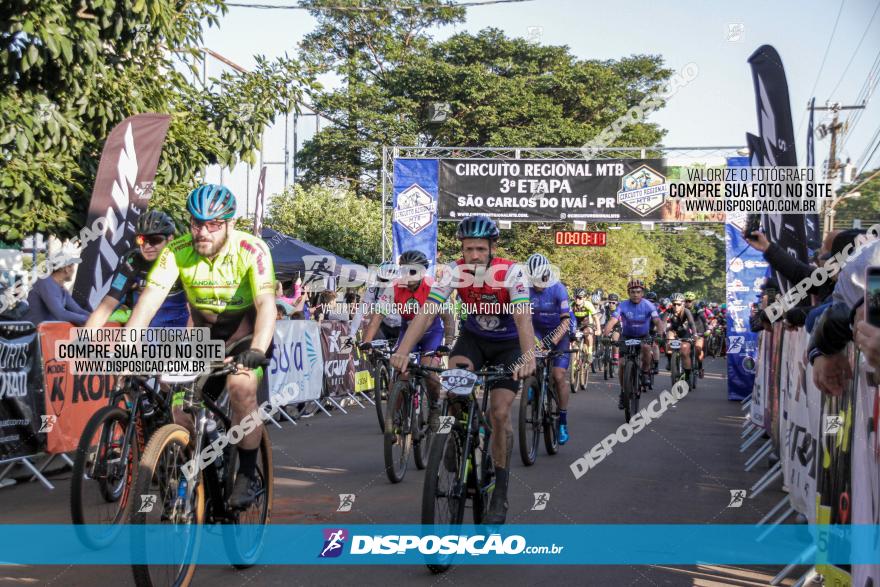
(716, 109)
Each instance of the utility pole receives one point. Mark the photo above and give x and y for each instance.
(833, 164)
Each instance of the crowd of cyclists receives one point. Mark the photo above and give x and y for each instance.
(217, 277)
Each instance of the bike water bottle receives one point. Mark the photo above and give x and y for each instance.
(181, 489)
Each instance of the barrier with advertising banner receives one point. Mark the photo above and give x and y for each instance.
(21, 390)
(297, 361)
(71, 399)
(338, 362)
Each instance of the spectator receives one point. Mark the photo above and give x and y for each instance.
(831, 368)
(283, 310)
(48, 300)
(868, 340)
(326, 308)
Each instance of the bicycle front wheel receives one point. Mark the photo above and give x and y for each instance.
(159, 499)
(529, 421)
(421, 429)
(100, 486)
(551, 420)
(398, 431)
(380, 388)
(630, 381)
(445, 493)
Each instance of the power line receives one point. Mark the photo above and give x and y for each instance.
(855, 52)
(822, 66)
(388, 8)
(864, 97)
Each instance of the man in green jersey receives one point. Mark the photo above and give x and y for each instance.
(229, 282)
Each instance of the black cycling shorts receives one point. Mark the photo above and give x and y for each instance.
(483, 352)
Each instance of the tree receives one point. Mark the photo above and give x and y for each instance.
(502, 92)
(692, 261)
(866, 207)
(68, 76)
(341, 222)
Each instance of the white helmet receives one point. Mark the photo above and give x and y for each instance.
(541, 271)
(387, 271)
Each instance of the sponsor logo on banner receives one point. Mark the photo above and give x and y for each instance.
(751, 264)
(737, 285)
(415, 209)
(737, 265)
(642, 190)
(334, 542)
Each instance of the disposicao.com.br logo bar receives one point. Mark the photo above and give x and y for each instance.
(522, 544)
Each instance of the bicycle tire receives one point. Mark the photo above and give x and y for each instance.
(634, 399)
(163, 439)
(574, 372)
(96, 425)
(398, 433)
(421, 429)
(529, 421)
(676, 367)
(265, 471)
(435, 491)
(551, 420)
(380, 388)
(628, 381)
(584, 377)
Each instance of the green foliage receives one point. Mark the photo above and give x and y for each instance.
(692, 261)
(344, 223)
(68, 76)
(866, 207)
(502, 91)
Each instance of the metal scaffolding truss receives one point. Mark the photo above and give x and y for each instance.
(675, 157)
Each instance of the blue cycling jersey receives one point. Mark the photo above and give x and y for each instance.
(549, 307)
(636, 318)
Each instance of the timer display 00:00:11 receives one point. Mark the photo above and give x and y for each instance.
(580, 238)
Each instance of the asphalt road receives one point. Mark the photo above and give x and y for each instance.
(680, 469)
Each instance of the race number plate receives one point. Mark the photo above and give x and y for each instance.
(633, 341)
(458, 381)
(675, 344)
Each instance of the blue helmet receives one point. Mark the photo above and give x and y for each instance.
(479, 226)
(211, 202)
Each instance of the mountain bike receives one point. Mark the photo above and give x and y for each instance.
(460, 466)
(107, 456)
(631, 354)
(539, 409)
(677, 372)
(188, 503)
(406, 420)
(579, 369)
(380, 370)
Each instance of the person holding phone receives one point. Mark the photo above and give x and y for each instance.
(867, 332)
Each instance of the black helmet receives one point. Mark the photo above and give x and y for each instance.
(413, 257)
(580, 292)
(155, 222)
(613, 298)
(651, 296)
(479, 226)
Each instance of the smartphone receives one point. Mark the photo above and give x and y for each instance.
(872, 295)
(753, 223)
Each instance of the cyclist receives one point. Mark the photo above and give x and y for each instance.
(486, 339)
(154, 230)
(587, 318)
(701, 327)
(681, 324)
(635, 314)
(608, 311)
(229, 282)
(378, 301)
(410, 294)
(551, 321)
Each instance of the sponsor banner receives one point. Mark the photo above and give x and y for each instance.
(800, 427)
(523, 544)
(745, 269)
(414, 220)
(297, 366)
(776, 137)
(70, 399)
(759, 393)
(123, 187)
(338, 362)
(540, 190)
(21, 391)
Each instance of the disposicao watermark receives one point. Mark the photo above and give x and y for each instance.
(626, 431)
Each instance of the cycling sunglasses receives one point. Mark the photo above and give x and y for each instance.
(150, 239)
(211, 225)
